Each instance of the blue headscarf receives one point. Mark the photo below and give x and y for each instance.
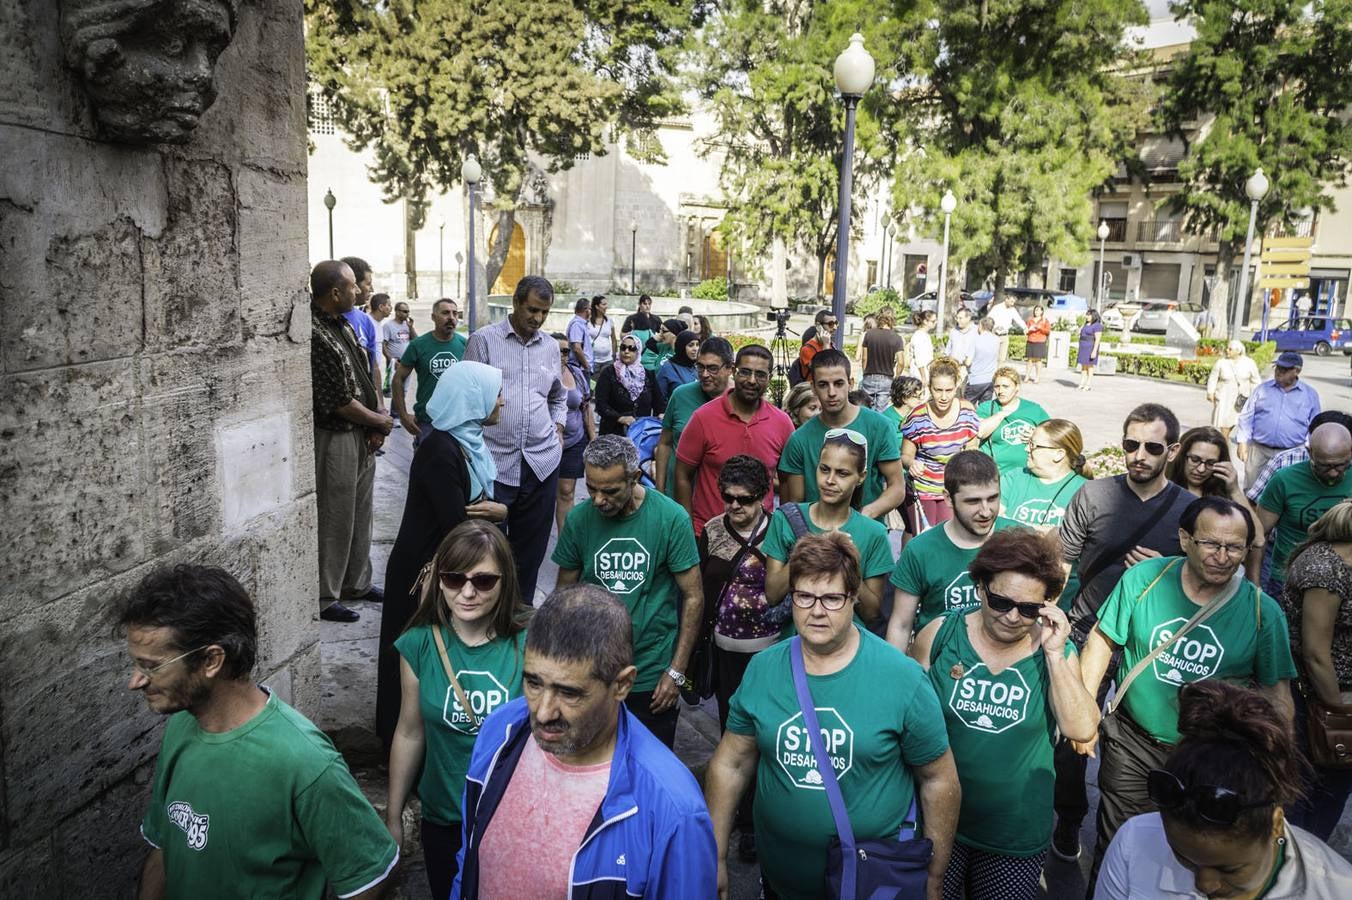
(464, 396)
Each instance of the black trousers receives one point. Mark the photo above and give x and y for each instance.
(440, 845)
(663, 724)
(1070, 797)
(731, 668)
(1127, 753)
(530, 515)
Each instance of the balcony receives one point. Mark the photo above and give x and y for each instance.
(1159, 231)
(1117, 230)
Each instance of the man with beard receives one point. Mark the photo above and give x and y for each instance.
(1298, 495)
(1237, 634)
(637, 544)
(1110, 525)
(249, 799)
(429, 355)
(585, 794)
(713, 368)
(931, 576)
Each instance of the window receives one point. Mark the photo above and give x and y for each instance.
(1066, 280)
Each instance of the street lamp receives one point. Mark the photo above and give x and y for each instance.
(330, 201)
(441, 259)
(854, 73)
(1102, 274)
(947, 204)
(633, 250)
(459, 266)
(1256, 188)
(891, 249)
(470, 173)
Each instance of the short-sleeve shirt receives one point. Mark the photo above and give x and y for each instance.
(578, 333)
(635, 557)
(396, 335)
(961, 344)
(1008, 444)
(804, 448)
(268, 809)
(365, 328)
(1245, 641)
(1002, 728)
(934, 569)
(1320, 567)
(430, 357)
(869, 537)
(881, 720)
(489, 675)
(715, 434)
(936, 444)
(337, 376)
(681, 405)
(985, 358)
(922, 351)
(883, 345)
(1299, 499)
(1029, 500)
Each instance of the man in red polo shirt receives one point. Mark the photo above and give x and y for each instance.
(740, 422)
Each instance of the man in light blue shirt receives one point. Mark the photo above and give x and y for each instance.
(985, 359)
(579, 340)
(1276, 416)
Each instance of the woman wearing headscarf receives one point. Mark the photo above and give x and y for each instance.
(680, 369)
(450, 480)
(626, 391)
(659, 347)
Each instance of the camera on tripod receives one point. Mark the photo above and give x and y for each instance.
(779, 316)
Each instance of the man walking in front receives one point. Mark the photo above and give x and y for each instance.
(566, 790)
(579, 341)
(1276, 416)
(713, 367)
(249, 798)
(527, 441)
(395, 334)
(429, 356)
(349, 429)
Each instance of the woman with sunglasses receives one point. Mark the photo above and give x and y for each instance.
(450, 480)
(1008, 679)
(1220, 830)
(578, 431)
(459, 659)
(841, 471)
(1203, 468)
(626, 391)
(680, 368)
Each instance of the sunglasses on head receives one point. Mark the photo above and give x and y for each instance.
(1001, 604)
(1154, 448)
(1212, 803)
(483, 581)
(853, 437)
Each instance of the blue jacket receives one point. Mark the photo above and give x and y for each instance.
(652, 836)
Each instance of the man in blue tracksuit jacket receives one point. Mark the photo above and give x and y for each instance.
(651, 835)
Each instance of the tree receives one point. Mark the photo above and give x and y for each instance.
(1265, 83)
(764, 70)
(424, 83)
(1027, 108)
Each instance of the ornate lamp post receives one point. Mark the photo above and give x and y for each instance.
(854, 73)
(441, 259)
(633, 251)
(1102, 273)
(330, 201)
(470, 173)
(1256, 188)
(947, 204)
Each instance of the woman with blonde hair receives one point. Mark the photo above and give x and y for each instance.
(1232, 380)
(460, 658)
(801, 403)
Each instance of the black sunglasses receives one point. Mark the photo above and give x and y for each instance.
(1154, 448)
(739, 499)
(483, 582)
(1002, 604)
(1212, 803)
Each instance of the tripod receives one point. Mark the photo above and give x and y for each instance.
(785, 355)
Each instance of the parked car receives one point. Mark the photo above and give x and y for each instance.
(1057, 304)
(1113, 319)
(1154, 315)
(929, 300)
(1319, 334)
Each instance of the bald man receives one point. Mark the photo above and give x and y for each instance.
(1298, 495)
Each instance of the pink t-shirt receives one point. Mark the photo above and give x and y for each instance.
(714, 435)
(528, 847)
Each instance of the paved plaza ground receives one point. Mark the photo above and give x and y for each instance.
(349, 650)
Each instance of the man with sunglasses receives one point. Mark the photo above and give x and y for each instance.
(713, 376)
(821, 336)
(1243, 639)
(742, 422)
(249, 798)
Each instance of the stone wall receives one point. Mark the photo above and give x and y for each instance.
(154, 408)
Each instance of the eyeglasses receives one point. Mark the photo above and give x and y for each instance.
(1211, 548)
(139, 669)
(829, 602)
(1002, 604)
(1198, 462)
(853, 437)
(1154, 448)
(483, 581)
(755, 374)
(708, 370)
(1212, 803)
(739, 499)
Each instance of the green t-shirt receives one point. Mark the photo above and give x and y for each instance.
(1029, 500)
(652, 359)
(1002, 729)
(430, 358)
(873, 735)
(934, 569)
(489, 674)
(800, 454)
(1229, 645)
(1299, 499)
(681, 405)
(267, 810)
(1008, 444)
(636, 558)
(870, 539)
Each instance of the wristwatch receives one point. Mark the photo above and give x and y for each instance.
(677, 677)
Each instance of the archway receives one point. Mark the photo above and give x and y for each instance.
(514, 267)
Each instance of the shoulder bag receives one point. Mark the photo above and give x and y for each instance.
(780, 614)
(450, 675)
(882, 869)
(1330, 732)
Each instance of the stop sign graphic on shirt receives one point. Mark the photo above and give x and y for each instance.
(1196, 656)
(621, 565)
(793, 748)
(990, 703)
(484, 693)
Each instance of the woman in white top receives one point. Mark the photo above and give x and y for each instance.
(922, 345)
(1221, 831)
(1232, 379)
(605, 343)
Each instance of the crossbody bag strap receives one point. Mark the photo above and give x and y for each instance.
(450, 674)
(848, 874)
(747, 547)
(1206, 612)
(1116, 552)
(797, 521)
